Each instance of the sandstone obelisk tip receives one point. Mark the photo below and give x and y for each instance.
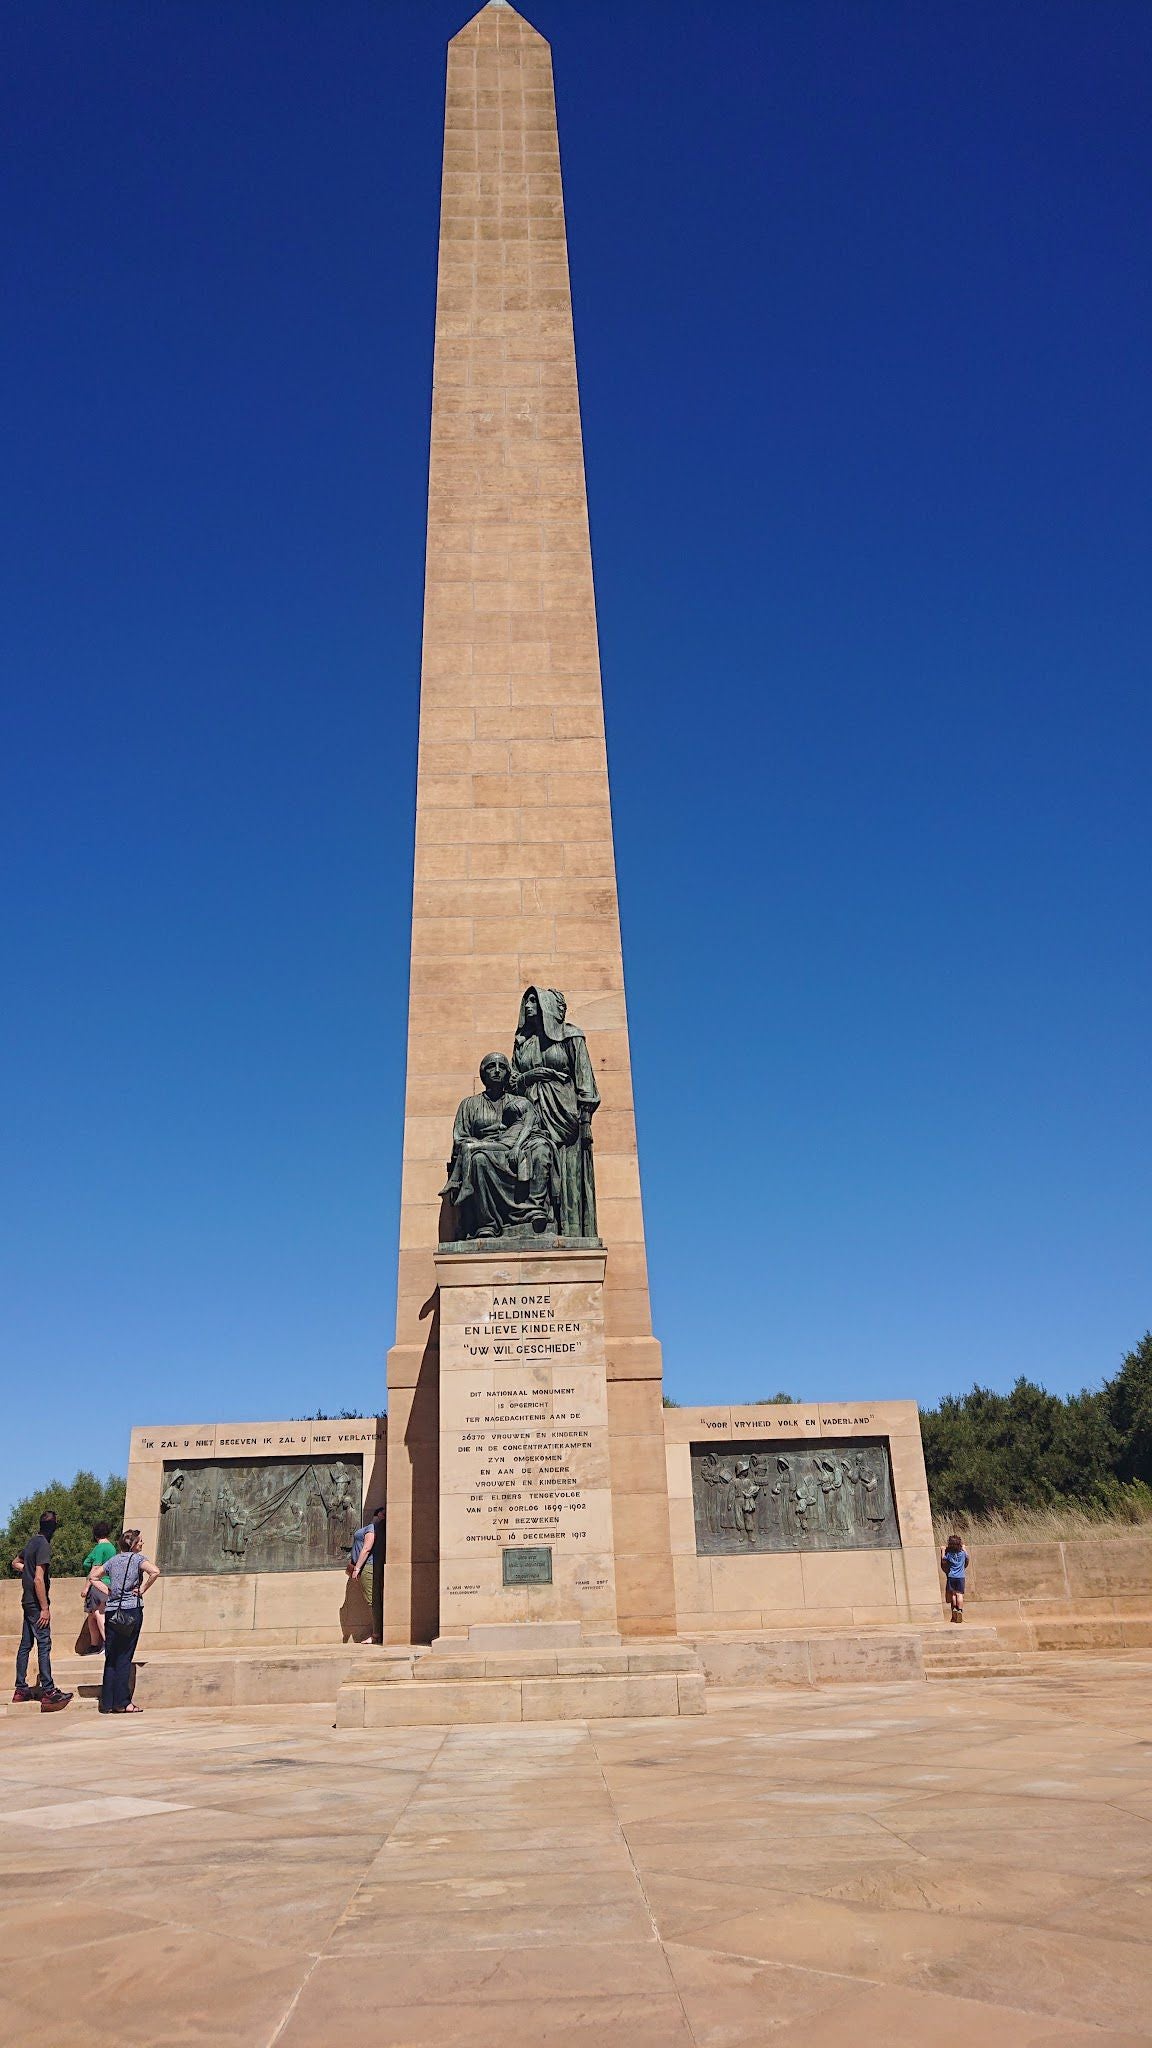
(496, 17)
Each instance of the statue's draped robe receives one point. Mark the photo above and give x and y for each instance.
(550, 1065)
(501, 1166)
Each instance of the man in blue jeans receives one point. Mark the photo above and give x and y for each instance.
(35, 1588)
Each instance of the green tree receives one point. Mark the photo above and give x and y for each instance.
(1129, 1398)
(84, 1501)
(343, 1415)
(1025, 1449)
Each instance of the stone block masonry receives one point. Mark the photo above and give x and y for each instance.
(525, 1471)
(843, 1583)
(515, 879)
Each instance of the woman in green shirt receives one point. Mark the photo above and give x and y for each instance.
(95, 1596)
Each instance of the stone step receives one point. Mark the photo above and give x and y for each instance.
(945, 1641)
(809, 1658)
(375, 1687)
(953, 1642)
(207, 1678)
(963, 1631)
(439, 1701)
(979, 1653)
(990, 1670)
(944, 1658)
(489, 1636)
(969, 1653)
(431, 1668)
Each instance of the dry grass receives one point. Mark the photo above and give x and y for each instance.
(1057, 1524)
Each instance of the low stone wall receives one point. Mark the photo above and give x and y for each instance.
(228, 1609)
(157, 1450)
(834, 1657)
(795, 1591)
(1084, 1593)
(248, 1610)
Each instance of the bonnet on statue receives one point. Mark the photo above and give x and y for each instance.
(551, 1067)
(552, 1024)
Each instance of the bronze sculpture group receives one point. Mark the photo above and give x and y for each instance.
(521, 1164)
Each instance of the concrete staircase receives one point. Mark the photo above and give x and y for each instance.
(968, 1650)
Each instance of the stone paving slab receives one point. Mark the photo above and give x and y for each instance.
(902, 1864)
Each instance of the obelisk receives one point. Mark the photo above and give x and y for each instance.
(515, 881)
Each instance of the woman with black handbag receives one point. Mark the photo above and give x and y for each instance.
(128, 1576)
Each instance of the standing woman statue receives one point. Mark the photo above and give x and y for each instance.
(550, 1065)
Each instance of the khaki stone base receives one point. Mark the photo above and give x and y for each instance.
(1076, 1632)
(969, 1652)
(453, 1684)
(524, 1438)
(590, 1683)
(243, 1611)
(1080, 1593)
(815, 1657)
(220, 1678)
(876, 1656)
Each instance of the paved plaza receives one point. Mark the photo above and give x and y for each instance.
(967, 1861)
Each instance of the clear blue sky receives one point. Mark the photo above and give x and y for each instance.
(864, 315)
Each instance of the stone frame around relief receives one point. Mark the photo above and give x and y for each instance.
(783, 1496)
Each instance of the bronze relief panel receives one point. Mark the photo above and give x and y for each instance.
(259, 1515)
(766, 1495)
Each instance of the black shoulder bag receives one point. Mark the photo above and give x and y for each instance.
(119, 1625)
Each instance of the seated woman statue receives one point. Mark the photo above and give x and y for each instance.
(550, 1065)
(501, 1170)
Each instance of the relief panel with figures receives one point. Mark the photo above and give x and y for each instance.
(765, 1495)
(262, 1515)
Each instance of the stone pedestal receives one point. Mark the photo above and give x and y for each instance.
(538, 1680)
(525, 1486)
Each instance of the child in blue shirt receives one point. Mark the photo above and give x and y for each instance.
(954, 1564)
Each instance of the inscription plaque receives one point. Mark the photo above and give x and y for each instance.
(531, 1567)
(259, 1515)
(526, 1456)
(524, 1463)
(777, 1494)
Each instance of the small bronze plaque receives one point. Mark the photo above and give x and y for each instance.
(528, 1567)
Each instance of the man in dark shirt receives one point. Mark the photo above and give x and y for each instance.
(35, 1586)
